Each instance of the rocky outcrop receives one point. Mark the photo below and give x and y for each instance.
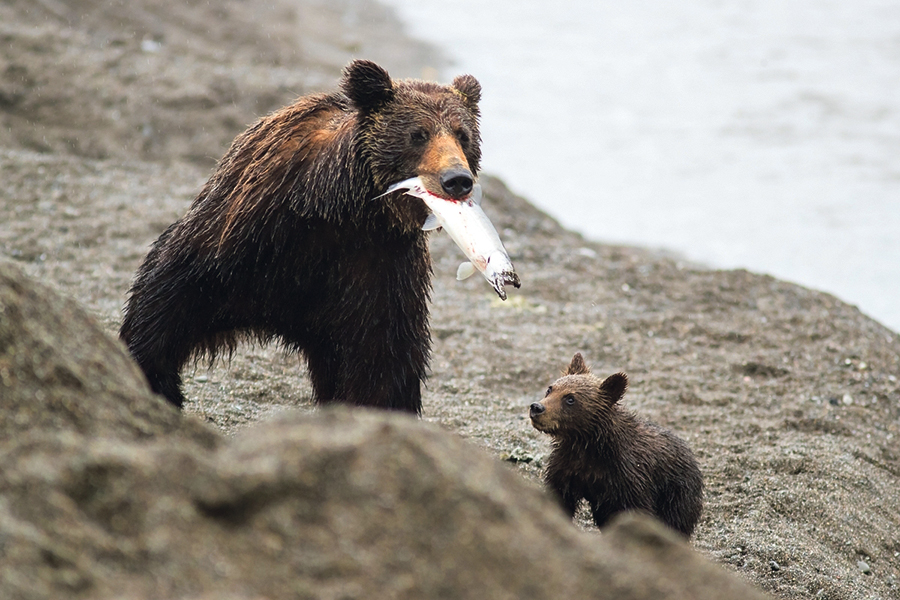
(107, 492)
(59, 374)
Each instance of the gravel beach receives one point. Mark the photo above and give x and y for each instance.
(113, 114)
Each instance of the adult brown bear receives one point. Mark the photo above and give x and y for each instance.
(287, 241)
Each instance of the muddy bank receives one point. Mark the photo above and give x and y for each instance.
(111, 115)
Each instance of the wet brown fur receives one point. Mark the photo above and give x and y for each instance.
(287, 241)
(444, 153)
(612, 458)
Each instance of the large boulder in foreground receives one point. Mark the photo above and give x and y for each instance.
(333, 505)
(60, 373)
(107, 492)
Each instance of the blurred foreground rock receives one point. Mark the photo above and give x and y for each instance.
(105, 491)
(60, 373)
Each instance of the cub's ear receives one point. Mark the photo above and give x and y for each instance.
(470, 90)
(367, 85)
(577, 366)
(614, 387)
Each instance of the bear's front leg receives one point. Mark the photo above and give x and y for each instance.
(602, 511)
(372, 343)
(566, 489)
(380, 364)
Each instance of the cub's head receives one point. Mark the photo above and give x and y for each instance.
(578, 403)
(412, 128)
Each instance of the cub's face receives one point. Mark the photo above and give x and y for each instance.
(417, 129)
(565, 404)
(578, 402)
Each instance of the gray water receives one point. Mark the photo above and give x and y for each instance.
(762, 134)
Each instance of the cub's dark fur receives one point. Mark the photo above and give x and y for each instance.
(611, 457)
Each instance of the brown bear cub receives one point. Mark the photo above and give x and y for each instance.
(612, 458)
(287, 241)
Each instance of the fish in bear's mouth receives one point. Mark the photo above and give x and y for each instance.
(470, 228)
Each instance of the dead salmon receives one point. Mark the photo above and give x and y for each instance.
(472, 231)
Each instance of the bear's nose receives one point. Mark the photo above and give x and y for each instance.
(457, 183)
(536, 409)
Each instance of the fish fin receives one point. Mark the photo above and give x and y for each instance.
(389, 190)
(431, 223)
(465, 271)
(476, 194)
(406, 184)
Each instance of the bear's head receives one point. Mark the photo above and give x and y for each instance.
(411, 128)
(578, 403)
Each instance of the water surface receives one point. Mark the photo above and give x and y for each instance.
(762, 134)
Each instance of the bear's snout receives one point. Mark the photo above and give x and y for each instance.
(536, 409)
(457, 183)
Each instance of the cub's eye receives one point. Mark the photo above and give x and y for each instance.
(569, 399)
(549, 389)
(419, 136)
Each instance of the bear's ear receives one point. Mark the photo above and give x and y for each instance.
(367, 85)
(577, 366)
(470, 89)
(614, 387)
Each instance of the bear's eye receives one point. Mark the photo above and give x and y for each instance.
(569, 399)
(549, 389)
(419, 136)
(463, 137)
